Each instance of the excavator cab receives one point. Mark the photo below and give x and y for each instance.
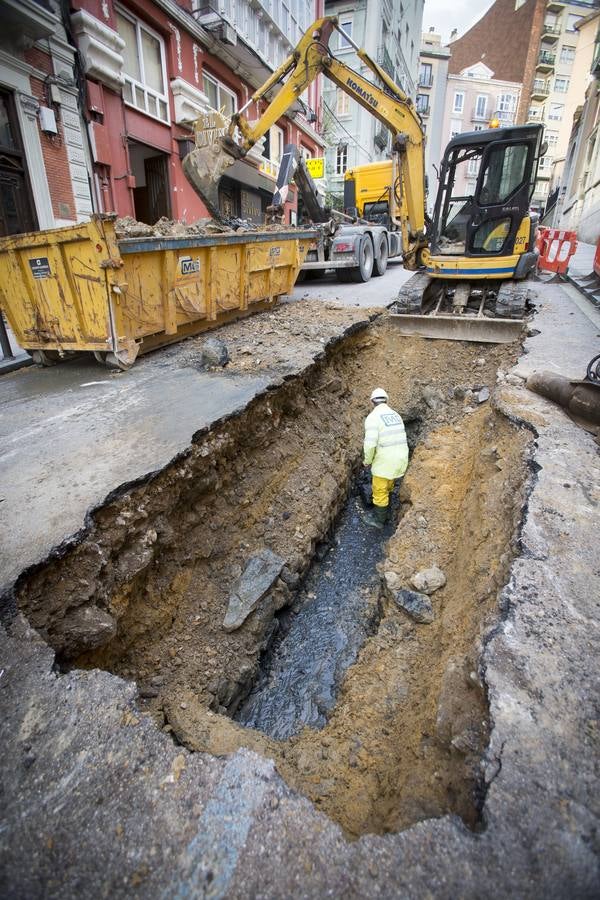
(481, 240)
(482, 228)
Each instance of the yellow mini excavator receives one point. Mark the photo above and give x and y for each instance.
(479, 247)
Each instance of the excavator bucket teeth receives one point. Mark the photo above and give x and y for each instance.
(203, 168)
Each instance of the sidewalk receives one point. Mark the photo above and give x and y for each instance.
(19, 357)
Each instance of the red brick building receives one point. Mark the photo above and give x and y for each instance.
(97, 103)
(505, 40)
(151, 68)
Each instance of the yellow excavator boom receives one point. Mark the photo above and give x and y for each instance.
(205, 165)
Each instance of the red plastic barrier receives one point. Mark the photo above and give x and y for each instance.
(540, 231)
(597, 260)
(556, 249)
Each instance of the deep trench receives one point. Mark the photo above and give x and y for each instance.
(379, 721)
(321, 632)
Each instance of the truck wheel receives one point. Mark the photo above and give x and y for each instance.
(364, 269)
(381, 257)
(45, 357)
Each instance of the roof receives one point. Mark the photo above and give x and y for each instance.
(488, 135)
(500, 39)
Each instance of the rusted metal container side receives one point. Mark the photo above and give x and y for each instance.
(78, 288)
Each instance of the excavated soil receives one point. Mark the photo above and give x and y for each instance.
(128, 227)
(144, 591)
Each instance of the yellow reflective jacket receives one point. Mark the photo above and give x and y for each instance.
(385, 447)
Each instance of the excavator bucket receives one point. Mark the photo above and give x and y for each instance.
(460, 328)
(213, 154)
(423, 309)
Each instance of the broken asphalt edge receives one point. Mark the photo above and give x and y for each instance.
(8, 608)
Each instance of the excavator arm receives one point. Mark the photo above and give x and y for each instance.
(205, 165)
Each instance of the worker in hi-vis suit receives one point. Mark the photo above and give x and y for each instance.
(385, 452)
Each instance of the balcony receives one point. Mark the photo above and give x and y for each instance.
(550, 33)
(424, 110)
(208, 13)
(536, 114)
(540, 89)
(554, 6)
(270, 169)
(545, 62)
(480, 115)
(425, 81)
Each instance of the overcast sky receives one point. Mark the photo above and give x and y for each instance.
(448, 14)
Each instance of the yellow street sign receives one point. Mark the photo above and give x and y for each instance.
(316, 166)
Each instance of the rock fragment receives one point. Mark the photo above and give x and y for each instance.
(416, 605)
(215, 353)
(259, 575)
(428, 580)
(87, 628)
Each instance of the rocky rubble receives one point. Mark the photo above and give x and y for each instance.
(128, 227)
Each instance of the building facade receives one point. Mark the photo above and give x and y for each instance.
(106, 128)
(562, 71)
(578, 205)
(44, 155)
(430, 102)
(390, 32)
(474, 97)
(153, 66)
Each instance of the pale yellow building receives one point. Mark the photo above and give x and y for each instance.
(578, 204)
(562, 73)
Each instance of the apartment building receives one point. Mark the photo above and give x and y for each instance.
(106, 129)
(474, 97)
(430, 101)
(486, 70)
(578, 204)
(390, 32)
(44, 154)
(562, 69)
(154, 66)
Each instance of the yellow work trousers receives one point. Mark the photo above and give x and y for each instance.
(382, 488)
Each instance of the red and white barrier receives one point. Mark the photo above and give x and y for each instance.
(556, 248)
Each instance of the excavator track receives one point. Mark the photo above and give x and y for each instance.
(425, 307)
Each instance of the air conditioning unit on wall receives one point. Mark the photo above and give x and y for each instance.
(227, 34)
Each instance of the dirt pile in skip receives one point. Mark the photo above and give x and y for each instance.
(128, 227)
(160, 561)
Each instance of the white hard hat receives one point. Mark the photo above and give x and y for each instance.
(379, 394)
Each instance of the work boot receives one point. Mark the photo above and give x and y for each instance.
(376, 516)
(381, 514)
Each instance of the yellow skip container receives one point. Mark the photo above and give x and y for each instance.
(79, 289)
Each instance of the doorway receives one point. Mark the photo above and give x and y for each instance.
(16, 205)
(151, 194)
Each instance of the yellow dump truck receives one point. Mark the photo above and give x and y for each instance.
(80, 289)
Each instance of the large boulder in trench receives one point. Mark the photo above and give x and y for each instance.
(261, 572)
(86, 628)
